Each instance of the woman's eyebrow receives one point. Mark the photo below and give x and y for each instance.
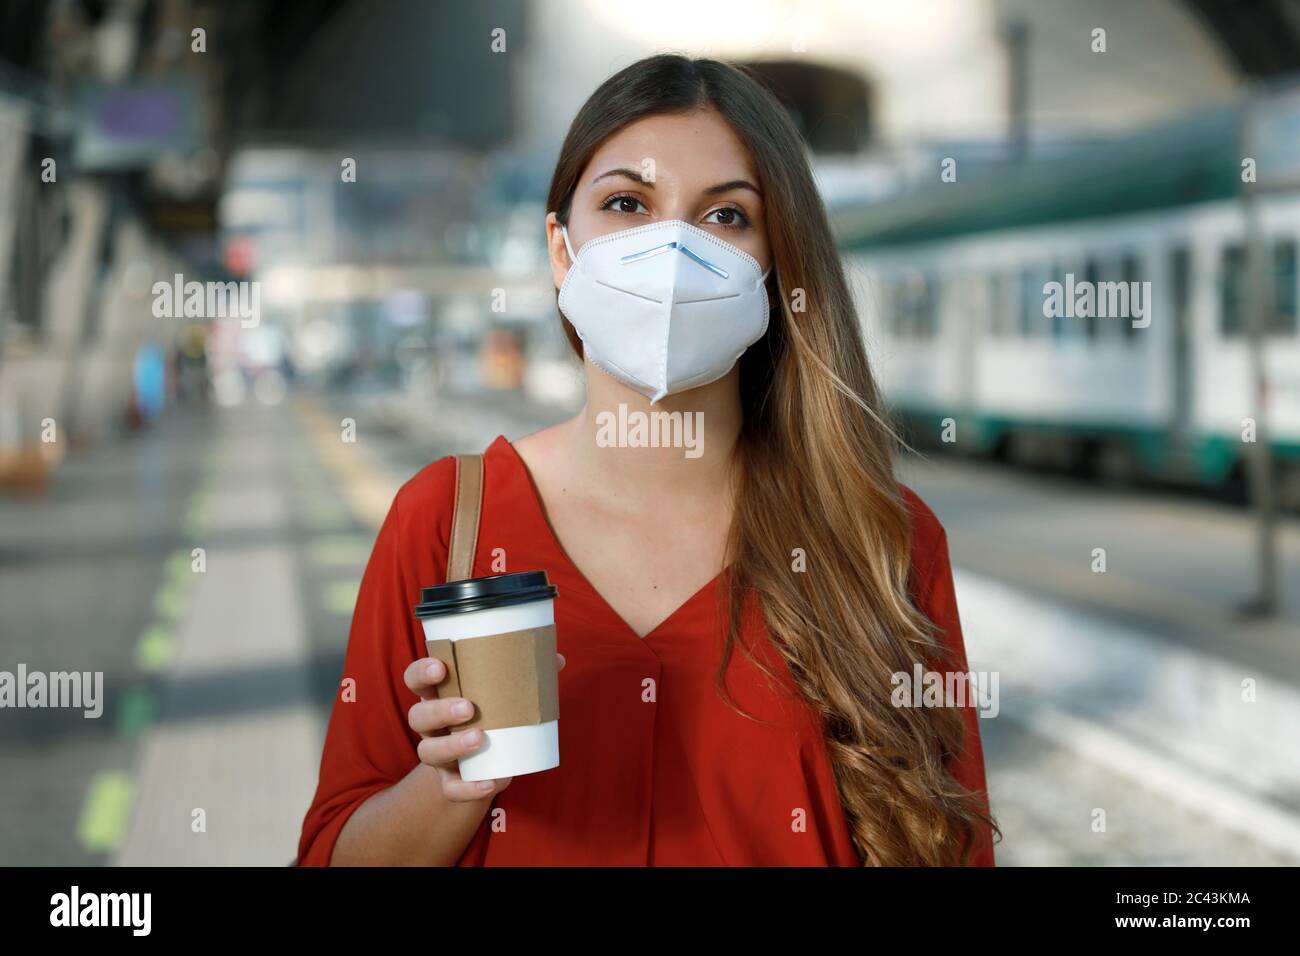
(734, 184)
(626, 173)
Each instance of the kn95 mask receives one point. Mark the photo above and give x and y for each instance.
(664, 307)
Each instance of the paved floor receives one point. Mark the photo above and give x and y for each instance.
(219, 680)
(1047, 800)
(230, 758)
(1175, 565)
(79, 571)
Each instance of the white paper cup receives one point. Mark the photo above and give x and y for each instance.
(506, 751)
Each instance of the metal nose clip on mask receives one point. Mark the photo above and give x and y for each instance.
(664, 307)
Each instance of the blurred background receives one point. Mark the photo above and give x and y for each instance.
(187, 500)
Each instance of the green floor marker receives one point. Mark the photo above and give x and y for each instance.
(155, 649)
(180, 567)
(139, 707)
(107, 811)
(198, 516)
(340, 597)
(170, 602)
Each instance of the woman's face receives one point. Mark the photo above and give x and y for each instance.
(688, 166)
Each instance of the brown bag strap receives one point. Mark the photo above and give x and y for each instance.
(465, 516)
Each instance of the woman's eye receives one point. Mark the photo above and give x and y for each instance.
(728, 216)
(624, 204)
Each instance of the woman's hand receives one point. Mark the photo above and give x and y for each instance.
(443, 751)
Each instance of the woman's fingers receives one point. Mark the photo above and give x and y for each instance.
(446, 749)
(428, 716)
(423, 676)
(454, 788)
(442, 751)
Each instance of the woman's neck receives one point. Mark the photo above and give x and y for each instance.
(682, 445)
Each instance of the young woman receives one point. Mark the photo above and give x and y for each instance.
(732, 614)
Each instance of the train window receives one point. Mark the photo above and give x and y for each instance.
(1284, 297)
(1058, 319)
(1232, 291)
(992, 295)
(930, 312)
(928, 307)
(1129, 268)
(897, 306)
(1091, 275)
(1031, 301)
(1067, 325)
(877, 306)
(1109, 301)
(916, 306)
(1002, 320)
(1232, 288)
(887, 305)
(975, 298)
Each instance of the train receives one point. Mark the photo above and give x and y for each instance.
(1087, 308)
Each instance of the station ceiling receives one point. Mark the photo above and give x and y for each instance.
(1262, 37)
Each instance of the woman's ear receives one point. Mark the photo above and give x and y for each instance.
(556, 252)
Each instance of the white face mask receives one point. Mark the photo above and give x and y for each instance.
(664, 307)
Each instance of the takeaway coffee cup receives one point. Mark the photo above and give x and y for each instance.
(496, 635)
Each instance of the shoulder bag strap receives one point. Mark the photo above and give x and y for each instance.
(465, 517)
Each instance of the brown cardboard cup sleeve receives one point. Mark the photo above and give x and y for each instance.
(510, 678)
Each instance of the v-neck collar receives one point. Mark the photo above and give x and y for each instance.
(508, 452)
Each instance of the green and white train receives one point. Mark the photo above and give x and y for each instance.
(952, 284)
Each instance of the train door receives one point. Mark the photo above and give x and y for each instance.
(1180, 280)
(973, 305)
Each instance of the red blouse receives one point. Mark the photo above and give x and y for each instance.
(651, 774)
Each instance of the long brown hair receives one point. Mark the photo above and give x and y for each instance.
(814, 470)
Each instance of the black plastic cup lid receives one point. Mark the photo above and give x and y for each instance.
(481, 594)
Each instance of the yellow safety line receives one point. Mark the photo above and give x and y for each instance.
(367, 488)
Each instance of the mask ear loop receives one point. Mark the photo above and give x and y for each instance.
(572, 261)
(774, 302)
(568, 248)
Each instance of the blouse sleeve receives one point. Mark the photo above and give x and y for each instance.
(368, 744)
(938, 601)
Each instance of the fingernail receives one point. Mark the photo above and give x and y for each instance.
(472, 738)
(486, 784)
(433, 671)
(462, 708)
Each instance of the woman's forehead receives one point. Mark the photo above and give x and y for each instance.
(699, 146)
